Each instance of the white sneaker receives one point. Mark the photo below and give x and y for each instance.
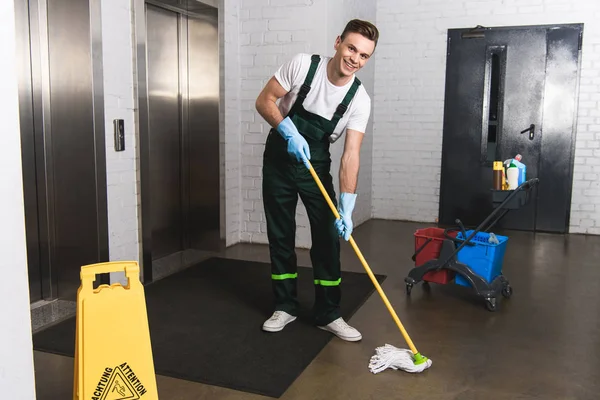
(344, 331)
(278, 320)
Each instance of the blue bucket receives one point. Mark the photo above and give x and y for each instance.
(484, 258)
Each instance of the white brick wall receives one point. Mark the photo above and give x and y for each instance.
(229, 11)
(409, 94)
(122, 182)
(406, 125)
(271, 32)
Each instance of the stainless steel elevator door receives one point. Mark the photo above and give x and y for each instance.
(164, 131)
(28, 152)
(203, 130)
(62, 140)
(73, 143)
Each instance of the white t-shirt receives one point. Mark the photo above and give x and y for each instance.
(324, 97)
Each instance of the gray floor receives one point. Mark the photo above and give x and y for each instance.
(543, 343)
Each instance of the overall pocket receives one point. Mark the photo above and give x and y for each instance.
(312, 131)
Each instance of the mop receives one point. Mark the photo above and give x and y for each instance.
(387, 356)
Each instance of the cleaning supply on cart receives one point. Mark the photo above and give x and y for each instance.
(522, 169)
(504, 181)
(512, 177)
(498, 177)
(386, 356)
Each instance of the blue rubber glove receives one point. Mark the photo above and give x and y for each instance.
(344, 224)
(297, 145)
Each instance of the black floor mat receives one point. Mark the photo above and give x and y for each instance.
(205, 326)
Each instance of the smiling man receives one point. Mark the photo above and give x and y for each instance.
(320, 98)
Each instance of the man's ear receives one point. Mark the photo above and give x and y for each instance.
(337, 43)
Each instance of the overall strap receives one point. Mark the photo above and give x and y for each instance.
(341, 109)
(315, 59)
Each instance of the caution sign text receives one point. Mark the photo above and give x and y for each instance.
(119, 383)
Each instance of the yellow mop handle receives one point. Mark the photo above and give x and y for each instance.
(365, 265)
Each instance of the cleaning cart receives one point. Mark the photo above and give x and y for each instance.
(469, 258)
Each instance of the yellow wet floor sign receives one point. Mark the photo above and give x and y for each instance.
(113, 353)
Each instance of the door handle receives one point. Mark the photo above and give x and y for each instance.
(531, 131)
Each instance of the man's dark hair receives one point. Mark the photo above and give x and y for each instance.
(364, 28)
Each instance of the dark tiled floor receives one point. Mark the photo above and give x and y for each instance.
(543, 343)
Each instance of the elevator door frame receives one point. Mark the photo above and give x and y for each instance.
(37, 144)
(143, 126)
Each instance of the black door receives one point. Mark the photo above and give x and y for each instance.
(510, 91)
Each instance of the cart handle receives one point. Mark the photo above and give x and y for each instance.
(462, 227)
(414, 256)
(527, 185)
(530, 184)
(455, 239)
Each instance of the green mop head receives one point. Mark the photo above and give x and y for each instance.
(392, 357)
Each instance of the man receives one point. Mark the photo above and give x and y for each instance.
(320, 98)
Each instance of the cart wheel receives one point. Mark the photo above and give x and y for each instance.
(490, 304)
(409, 287)
(507, 291)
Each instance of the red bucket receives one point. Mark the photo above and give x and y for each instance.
(431, 251)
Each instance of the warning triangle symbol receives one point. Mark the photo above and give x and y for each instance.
(119, 388)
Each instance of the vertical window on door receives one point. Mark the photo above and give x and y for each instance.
(492, 103)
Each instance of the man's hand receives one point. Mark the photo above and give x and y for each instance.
(297, 145)
(349, 166)
(266, 105)
(344, 225)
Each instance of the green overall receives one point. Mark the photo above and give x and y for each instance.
(283, 180)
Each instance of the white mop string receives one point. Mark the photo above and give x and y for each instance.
(389, 356)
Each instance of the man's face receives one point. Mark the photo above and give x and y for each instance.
(352, 53)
